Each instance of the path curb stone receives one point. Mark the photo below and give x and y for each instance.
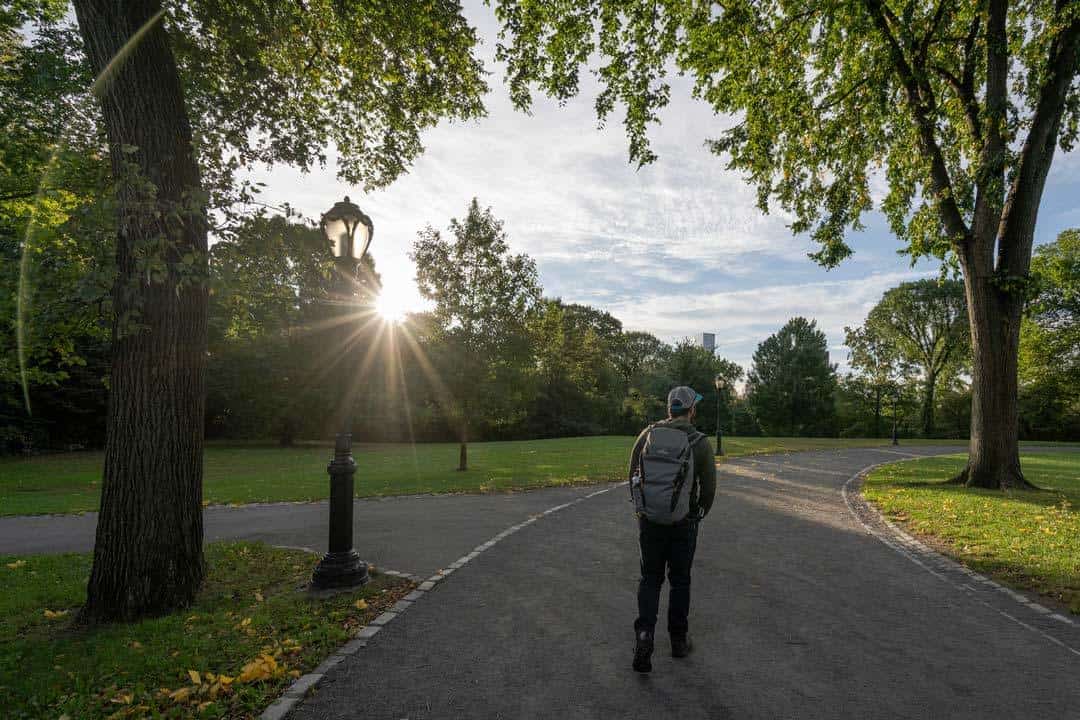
(1015, 606)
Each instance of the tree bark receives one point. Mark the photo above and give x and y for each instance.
(994, 448)
(929, 391)
(148, 556)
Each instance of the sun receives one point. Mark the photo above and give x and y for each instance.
(392, 306)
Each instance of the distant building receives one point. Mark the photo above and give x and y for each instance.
(708, 341)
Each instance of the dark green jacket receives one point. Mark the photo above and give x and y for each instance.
(704, 488)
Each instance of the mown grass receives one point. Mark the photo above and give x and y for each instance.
(1028, 540)
(250, 473)
(50, 668)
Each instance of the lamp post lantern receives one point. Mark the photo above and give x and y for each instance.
(349, 231)
(720, 383)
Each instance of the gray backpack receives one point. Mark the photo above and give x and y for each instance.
(661, 484)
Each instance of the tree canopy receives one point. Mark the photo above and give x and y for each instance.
(924, 325)
(791, 384)
(484, 296)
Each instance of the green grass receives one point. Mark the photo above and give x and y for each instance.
(1028, 540)
(51, 668)
(70, 482)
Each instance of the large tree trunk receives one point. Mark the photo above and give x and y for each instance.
(148, 555)
(994, 454)
(928, 404)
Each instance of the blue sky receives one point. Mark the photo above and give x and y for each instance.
(675, 248)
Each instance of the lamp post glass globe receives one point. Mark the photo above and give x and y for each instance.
(349, 231)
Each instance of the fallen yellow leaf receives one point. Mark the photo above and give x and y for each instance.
(55, 613)
(181, 695)
(225, 680)
(245, 622)
(122, 699)
(258, 596)
(294, 673)
(195, 678)
(16, 565)
(361, 604)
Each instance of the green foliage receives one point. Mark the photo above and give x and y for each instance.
(1050, 342)
(578, 388)
(923, 326)
(281, 82)
(790, 387)
(483, 296)
(1026, 539)
(55, 249)
(248, 606)
(826, 97)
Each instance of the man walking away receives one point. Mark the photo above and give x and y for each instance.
(672, 484)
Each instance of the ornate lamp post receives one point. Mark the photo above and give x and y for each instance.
(720, 383)
(349, 231)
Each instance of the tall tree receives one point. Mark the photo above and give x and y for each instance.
(633, 352)
(689, 363)
(791, 384)
(876, 360)
(484, 296)
(191, 94)
(961, 105)
(925, 325)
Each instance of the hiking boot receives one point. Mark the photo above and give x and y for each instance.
(680, 646)
(643, 652)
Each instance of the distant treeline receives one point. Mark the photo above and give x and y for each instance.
(495, 359)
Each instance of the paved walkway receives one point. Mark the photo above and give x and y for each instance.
(798, 612)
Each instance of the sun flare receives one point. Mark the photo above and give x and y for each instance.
(393, 306)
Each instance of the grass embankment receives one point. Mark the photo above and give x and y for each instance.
(250, 473)
(249, 634)
(1028, 540)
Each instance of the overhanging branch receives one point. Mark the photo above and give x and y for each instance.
(940, 182)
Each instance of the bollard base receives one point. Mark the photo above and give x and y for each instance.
(339, 570)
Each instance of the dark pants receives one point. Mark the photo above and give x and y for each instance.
(671, 547)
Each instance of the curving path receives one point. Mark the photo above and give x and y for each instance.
(798, 612)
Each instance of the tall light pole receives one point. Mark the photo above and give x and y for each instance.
(720, 383)
(349, 231)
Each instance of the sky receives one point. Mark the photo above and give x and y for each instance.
(676, 248)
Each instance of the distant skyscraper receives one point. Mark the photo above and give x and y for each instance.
(708, 341)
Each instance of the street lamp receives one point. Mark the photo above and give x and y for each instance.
(349, 231)
(720, 383)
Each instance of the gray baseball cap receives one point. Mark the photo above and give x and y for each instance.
(682, 398)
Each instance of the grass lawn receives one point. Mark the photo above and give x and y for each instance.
(1025, 539)
(251, 473)
(231, 654)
